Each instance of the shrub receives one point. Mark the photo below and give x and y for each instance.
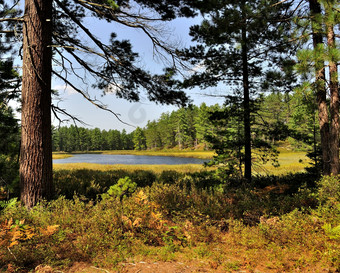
(124, 187)
(91, 183)
(329, 191)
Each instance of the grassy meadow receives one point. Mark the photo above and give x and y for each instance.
(124, 218)
(154, 168)
(289, 162)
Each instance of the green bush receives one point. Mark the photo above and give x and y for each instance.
(91, 183)
(124, 187)
(329, 191)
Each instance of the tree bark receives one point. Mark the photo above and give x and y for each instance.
(246, 99)
(320, 82)
(36, 141)
(334, 105)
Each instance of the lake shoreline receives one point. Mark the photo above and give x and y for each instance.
(128, 159)
(200, 154)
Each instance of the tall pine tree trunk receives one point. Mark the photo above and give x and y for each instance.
(334, 104)
(36, 141)
(246, 98)
(320, 81)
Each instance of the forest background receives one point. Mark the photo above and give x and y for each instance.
(284, 116)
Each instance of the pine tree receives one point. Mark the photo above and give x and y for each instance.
(322, 17)
(139, 139)
(203, 125)
(166, 125)
(236, 40)
(152, 134)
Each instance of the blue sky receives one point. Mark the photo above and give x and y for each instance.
(136, 114)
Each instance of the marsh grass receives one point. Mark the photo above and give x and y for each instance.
(60, 155)
(289, 162)
(185, 168)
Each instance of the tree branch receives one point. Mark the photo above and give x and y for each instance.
(17, 19)
(94, 102)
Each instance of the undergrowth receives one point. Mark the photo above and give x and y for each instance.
(277, 224)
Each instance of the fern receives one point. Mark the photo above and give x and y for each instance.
(9, 204)
(332, 233)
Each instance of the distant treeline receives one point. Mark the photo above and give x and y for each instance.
(184, 128)
(74, 138)
(278, 116)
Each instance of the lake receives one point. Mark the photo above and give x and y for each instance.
(129, 159)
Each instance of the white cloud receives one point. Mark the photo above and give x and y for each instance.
(200, 67)
(66, 89)
(112, 89)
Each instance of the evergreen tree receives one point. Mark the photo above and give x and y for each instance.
(322, 17)
(139, 139)
(96, 139)
(236, 39)
(182, 128)
(203, 125)
(152, 134)
(166, 125)
(227, 138)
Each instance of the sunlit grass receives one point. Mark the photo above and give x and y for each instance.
(290, 162)
(184, 168)
(61, 155)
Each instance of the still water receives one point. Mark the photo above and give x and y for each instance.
(129, 159)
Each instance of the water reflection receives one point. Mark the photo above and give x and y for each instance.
(129, 159)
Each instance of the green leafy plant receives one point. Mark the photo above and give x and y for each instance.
(332, 232)
(329, 191)
(9, 204)
(124, 187)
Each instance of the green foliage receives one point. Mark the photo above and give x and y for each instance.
(124, 187)
(329, 191)
(9, 127)
(332, 232)
(9, 204)
(91, 183)
(112, 4)
(139, 139)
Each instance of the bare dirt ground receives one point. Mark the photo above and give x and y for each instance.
(140, 267)
(165, 267)
(168, 267)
